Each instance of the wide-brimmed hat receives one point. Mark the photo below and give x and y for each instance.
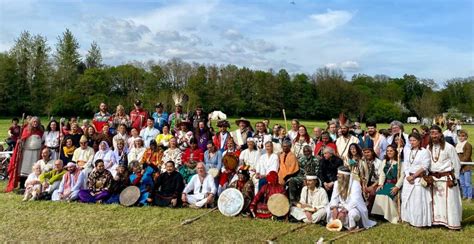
(223, 123)
(186, 123)
(242, 119)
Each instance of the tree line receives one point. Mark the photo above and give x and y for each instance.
(36, 79)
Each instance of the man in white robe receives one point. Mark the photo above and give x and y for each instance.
(347, 203)
(343, 142)
(203, 187)
(444, 169)
(313, 200)
(84, 155)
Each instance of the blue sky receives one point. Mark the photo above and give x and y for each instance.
(430, 39)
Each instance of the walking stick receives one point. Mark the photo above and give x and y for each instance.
(286, 123)
(275, 237)
(399, 169)
(189, 221)
(345, 234)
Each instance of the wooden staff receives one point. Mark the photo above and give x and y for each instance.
(286, 123)
(273, 238)
(345, 234)
(399, 170)
(189, 221)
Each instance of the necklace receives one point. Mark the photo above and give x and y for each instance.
(436, 158)
(412, 157)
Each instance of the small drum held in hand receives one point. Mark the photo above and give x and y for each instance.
(231, 202)
(278, 205)
(129, 196)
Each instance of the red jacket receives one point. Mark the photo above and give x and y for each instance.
(138, 118)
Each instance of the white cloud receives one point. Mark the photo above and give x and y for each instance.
(332, 18)
(347, 66)
(260, 45)
(232, 34)
(350, 66)
(118, 30)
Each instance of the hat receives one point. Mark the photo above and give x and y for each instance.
(138, 102)
(158, 105)
(272, 177)
(242, 119)
(343, 170)
(244, 169)
(186, 123)
(70, 164)
(251, 139)
(334, 225)
(223, 123)
(83, 139)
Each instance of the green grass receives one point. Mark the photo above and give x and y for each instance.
(76, 222)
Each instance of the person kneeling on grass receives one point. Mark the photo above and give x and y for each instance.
(98, 185)
(202, 186)
(312, 205)
(259, 205)
(71, 184)
(33, 184)
(168, 187)
(142, 177)
(119, 183)
(347, 203)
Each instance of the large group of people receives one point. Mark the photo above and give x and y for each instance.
(340, 172)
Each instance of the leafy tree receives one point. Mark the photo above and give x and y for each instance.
(94, 56)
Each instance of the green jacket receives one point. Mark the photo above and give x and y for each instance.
(52, 176)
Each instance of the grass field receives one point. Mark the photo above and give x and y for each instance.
(76, 222)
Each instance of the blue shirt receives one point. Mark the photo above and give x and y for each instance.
(160, 120)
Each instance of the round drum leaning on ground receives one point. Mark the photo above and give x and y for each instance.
(129, 196)
(231, 202)
(278, 205)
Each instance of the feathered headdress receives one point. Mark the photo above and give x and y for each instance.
(179, 98)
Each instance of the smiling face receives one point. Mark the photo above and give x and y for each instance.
(435, 136)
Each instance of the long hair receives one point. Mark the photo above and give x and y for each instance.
(48, 127)
(359, 151)
(442, 142)
(307, 139)
(395, 157)
(343, 185)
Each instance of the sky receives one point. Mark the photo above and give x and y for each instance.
(431, 39)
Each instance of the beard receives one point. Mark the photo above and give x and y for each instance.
(344, 133)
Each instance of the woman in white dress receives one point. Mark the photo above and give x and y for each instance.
(51, 139)
(136, 153)
(266, 163)
(108, 156)
(416, 198)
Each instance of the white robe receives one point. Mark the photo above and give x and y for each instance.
(354, 204)
(318, 199)
(416, 199)
(267, 163)
(343, 144)
(447, 206)
(200, 189)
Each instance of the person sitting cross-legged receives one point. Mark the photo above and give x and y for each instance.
(71, 184)
(347, 203)
(312, 205)
(202, 186)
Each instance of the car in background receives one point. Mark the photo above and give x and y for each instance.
(412, 120)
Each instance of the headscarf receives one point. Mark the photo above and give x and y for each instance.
(272, 178)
